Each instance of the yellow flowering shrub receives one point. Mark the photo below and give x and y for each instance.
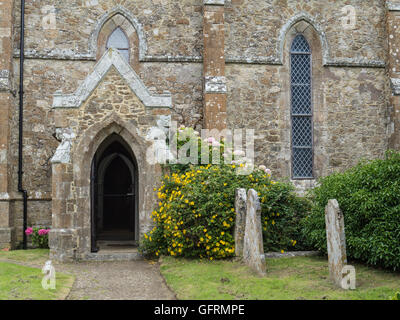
(195, 214)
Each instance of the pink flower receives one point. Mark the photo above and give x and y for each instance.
(210, 140)
(29, 231)
(43, 232)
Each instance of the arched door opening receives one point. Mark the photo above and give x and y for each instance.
(114, 181)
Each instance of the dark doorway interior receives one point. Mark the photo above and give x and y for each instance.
(114, 191)
(117, 197)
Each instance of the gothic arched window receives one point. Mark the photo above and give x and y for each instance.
(301, 109)
(118, 40)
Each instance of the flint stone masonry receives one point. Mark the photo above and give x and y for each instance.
(336, 241)
(240, 222)
(253, 247)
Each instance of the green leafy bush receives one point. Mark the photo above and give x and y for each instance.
(369, 196)
(396, 296)
(196, 216)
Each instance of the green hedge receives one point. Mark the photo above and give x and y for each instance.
(369, 196)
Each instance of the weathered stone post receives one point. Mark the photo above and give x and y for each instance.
(214, 64)
(336, 241)
(240, 223)
(253, 247)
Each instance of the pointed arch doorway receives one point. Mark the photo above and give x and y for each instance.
(114, 194)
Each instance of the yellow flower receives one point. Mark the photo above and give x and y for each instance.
(282, 251)
(205, 230)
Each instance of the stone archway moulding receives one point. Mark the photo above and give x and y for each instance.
(94, 136)
(311, 21)
(147, 174)
(109, 15)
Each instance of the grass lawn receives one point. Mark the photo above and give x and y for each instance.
(34, 255)
(19, 282)
(287, 279)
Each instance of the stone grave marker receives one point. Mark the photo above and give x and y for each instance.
(253, 248)
(240, 223)
(336, 241)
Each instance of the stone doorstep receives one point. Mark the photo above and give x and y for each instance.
(291, 254)
(113, 256)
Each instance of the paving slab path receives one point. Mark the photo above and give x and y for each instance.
(116, 280)
(121, 280)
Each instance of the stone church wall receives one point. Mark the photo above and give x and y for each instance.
(61, 51)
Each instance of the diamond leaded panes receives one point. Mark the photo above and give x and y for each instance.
(302, 138)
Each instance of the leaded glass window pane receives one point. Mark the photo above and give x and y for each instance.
(302, 128)
(119, 41)
(301, 66)
(302, 131)
(300, 45)
(301, 100)
(302, 163)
